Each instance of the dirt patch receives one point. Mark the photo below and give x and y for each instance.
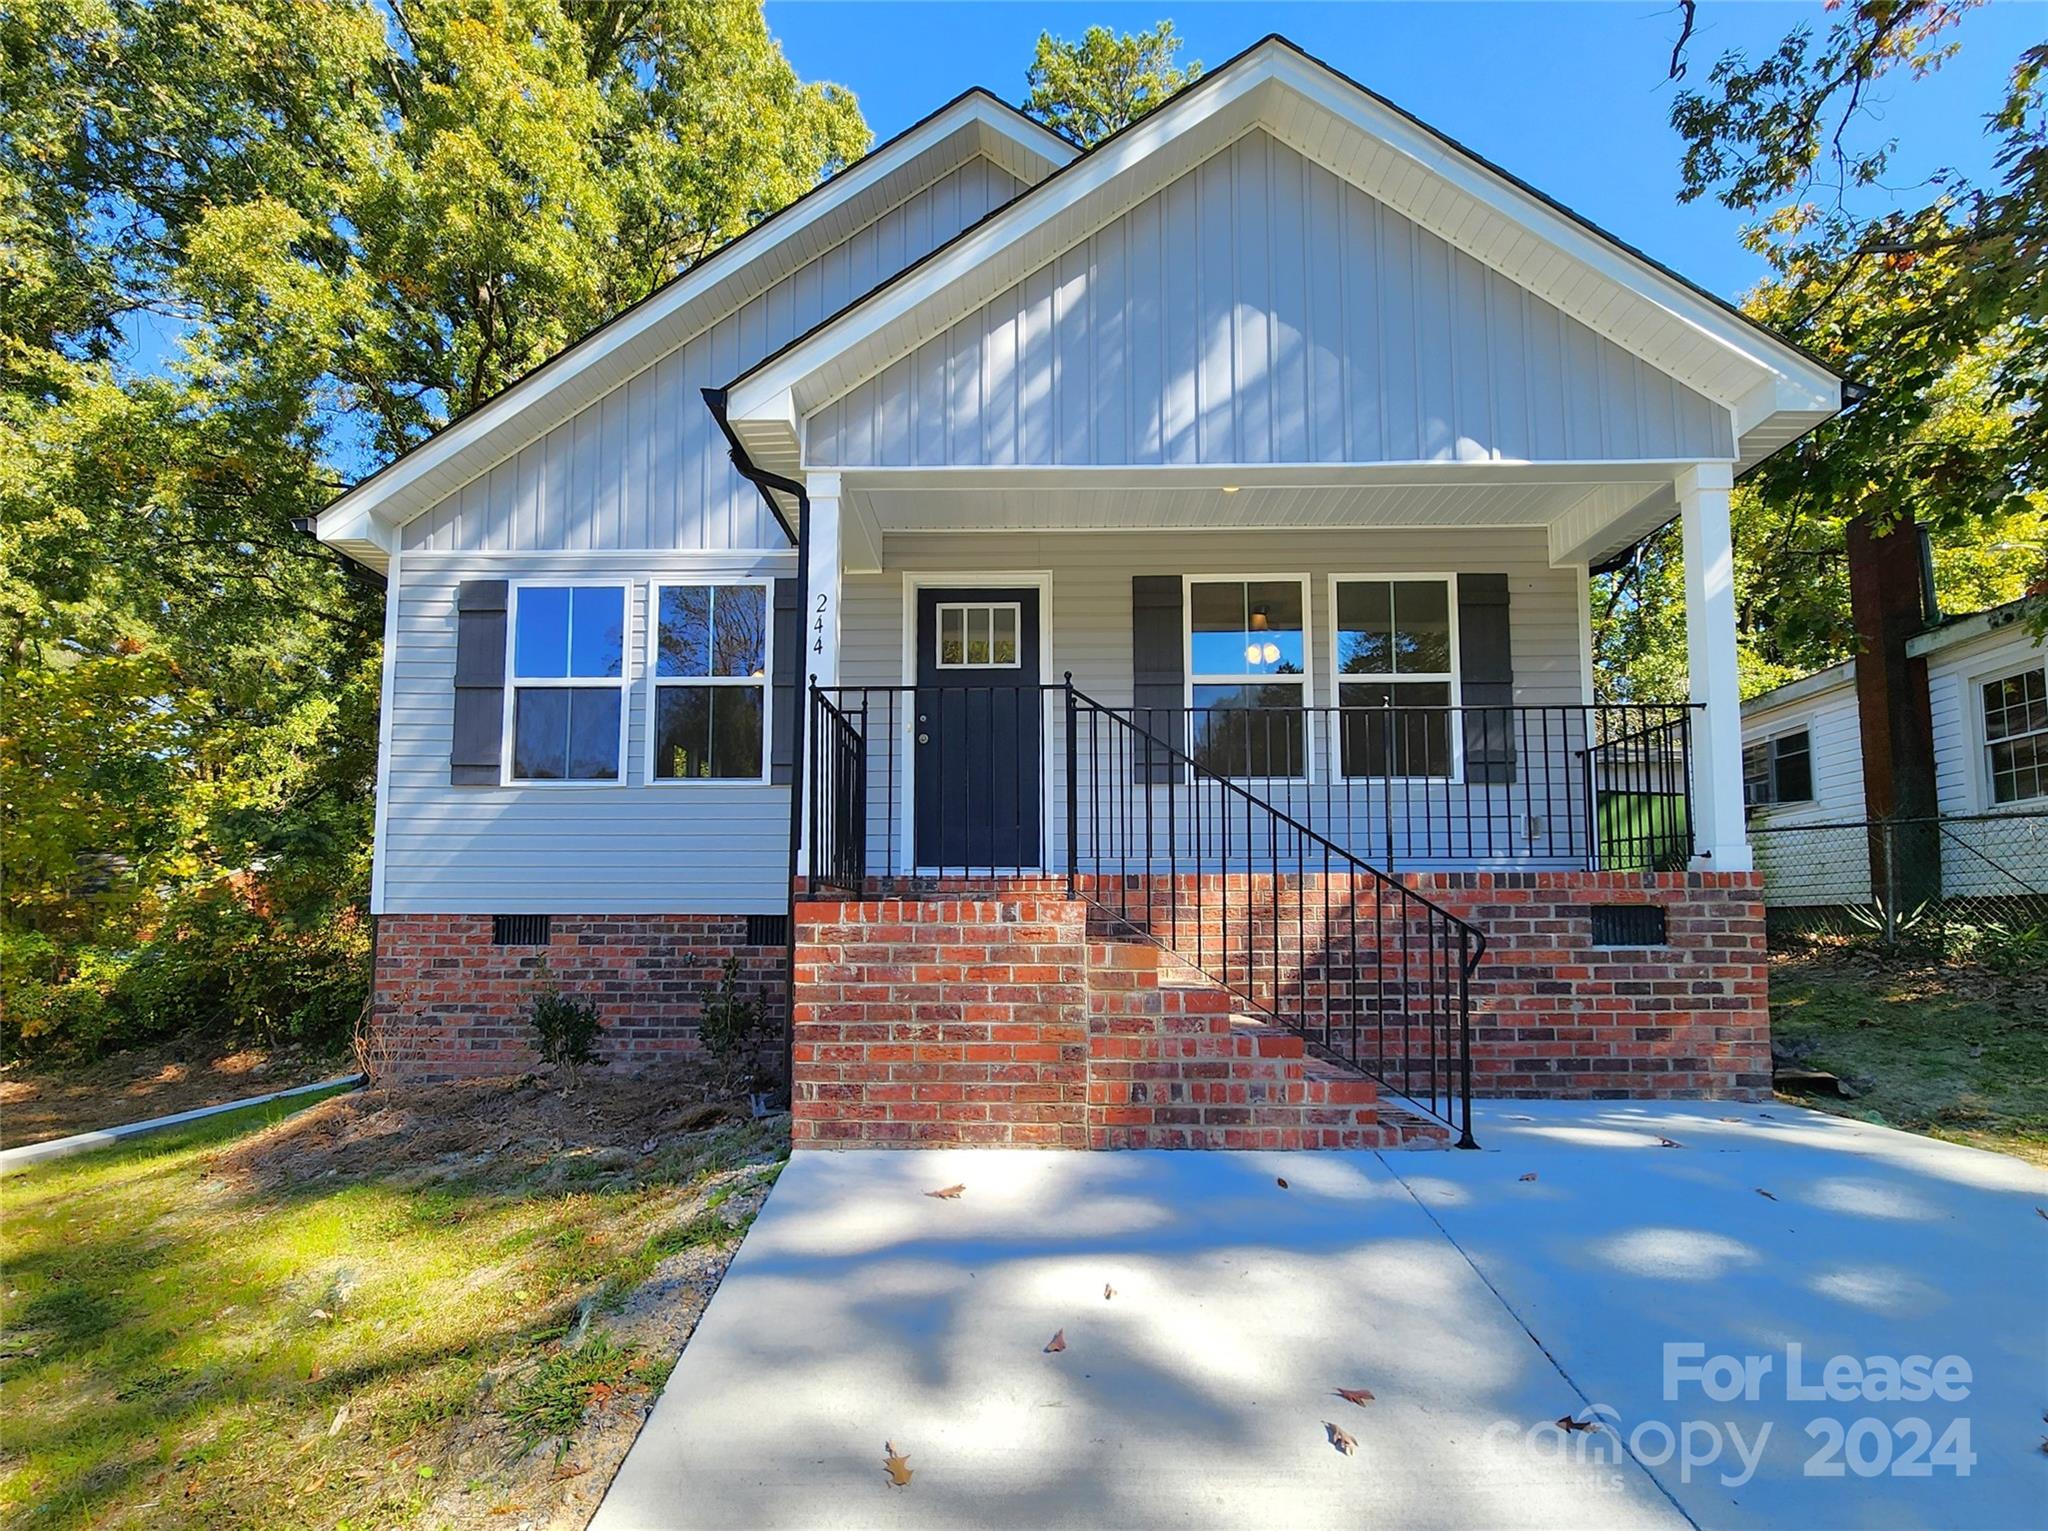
(674, 1176)
(180, 1075)
(515, 1128)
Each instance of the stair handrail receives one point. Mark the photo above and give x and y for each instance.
(1472, 939)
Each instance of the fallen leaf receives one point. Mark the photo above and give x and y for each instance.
(950, 1193)
(340, 1419)
(1280, 1182)
(1341, 1439)
(647, 1147)
(1357, 1395)
(320, 1313)
(1567, 1424)
(1668, 1143)
(1108, 1291)
(568, 1470)
(1057, 1343)
(1766, 1195)
(896, 1465)
(1530, 1176)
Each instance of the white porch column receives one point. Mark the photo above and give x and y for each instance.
(817, 624)
(1719, 835)
(821, 608)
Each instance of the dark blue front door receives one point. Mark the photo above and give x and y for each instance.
(977, 729)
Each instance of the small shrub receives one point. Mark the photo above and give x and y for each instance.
(735, 1034)
(2011, 950)
(565, 1027)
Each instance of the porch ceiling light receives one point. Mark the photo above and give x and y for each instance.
(1231, 488)
(1260, 615)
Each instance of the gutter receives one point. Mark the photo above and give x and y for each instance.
(800, 537)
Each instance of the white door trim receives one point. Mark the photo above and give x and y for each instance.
(915, 580)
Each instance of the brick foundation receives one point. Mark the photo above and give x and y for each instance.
(945, 1019)
(1552, 1014)
(448, 1004)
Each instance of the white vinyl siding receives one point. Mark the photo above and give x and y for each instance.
(645, 466)
(599, 848)
(1260, 310)
(1955, 677)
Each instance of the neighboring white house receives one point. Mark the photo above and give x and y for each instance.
(1802, 762)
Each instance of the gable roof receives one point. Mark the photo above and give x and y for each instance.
(361, 520)
(1774, 391)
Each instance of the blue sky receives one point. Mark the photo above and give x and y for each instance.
(1571, 97)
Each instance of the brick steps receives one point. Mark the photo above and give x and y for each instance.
(1175, 1063)
(959, 1022)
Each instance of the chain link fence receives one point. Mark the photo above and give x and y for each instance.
(1953, 880)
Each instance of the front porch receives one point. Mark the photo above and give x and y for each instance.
(1350, 783)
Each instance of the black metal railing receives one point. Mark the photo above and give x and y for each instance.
(837, 813)
(1576, 787)
(1300, 930)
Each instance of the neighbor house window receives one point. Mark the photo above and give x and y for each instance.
(1395, 674)
(2016, 735)
(567, 696)
(709, 672)
(1248, 676)
(1778, 770)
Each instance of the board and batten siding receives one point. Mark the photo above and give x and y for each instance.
(645, 466)
(1086, 611)
(1260, 309)
(701, 848)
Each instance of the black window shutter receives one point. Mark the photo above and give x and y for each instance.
(1158, 668)
(1486, 675)
(789, 663)
(479, 735)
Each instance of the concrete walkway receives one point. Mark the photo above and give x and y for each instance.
(1478, 1305)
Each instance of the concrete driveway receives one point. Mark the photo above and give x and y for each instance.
(1479, 1296)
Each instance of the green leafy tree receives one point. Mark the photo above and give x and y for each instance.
(1107, 80)
(339, 223)
(1934, 304)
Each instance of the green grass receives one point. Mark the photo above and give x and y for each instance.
(182, 1348)
(1928, 1049)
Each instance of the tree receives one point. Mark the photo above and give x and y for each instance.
(342, 224)
(1106, 81)
(1935, 307)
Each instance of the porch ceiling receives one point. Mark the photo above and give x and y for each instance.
(1621, 508)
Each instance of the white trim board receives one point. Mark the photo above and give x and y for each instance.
(915, 580)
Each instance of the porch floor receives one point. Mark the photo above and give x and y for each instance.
(1475, 1303)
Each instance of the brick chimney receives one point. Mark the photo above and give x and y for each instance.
(1891, 598)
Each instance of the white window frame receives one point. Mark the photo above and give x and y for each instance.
(1206, 678)
(1338, 678)
(622, 682)
(1987, 795)
(1770, 737)
(652, 681)
(1014, 608)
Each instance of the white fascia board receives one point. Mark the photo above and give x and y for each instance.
(1804, 689)
(610, 355)
(1978, 624)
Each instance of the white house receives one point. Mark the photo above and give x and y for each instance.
(1803, 765)
(1205, 512)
